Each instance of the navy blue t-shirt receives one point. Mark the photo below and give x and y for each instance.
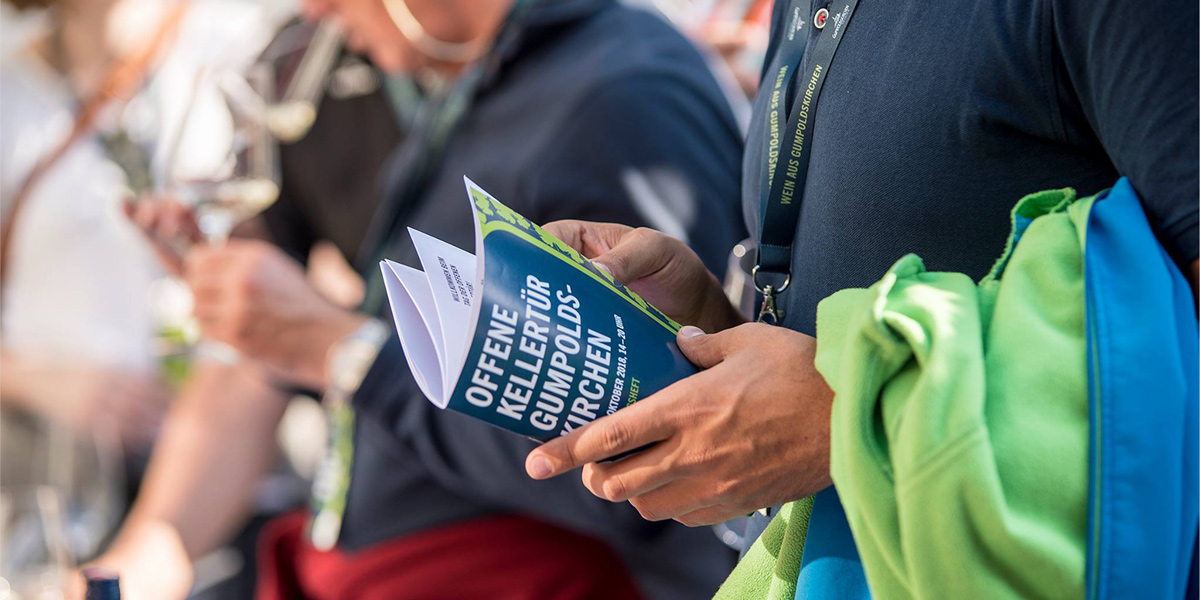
(938, 115)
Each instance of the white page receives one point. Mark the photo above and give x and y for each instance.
(412, 308)
(416, 284)
(451, 275)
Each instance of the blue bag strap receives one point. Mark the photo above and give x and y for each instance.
(831, 567)
(1143, 357)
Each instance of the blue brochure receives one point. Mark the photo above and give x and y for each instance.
(526, 334)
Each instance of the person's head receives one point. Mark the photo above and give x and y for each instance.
(410, 35)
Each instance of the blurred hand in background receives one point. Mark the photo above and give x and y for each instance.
(251, 295)
(248, 294)
(168, 225)
(77, 395)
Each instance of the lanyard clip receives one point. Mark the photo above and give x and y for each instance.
(769, 313)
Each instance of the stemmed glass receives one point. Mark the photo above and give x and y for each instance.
(248, 181)
(35, 554)
(304, 80)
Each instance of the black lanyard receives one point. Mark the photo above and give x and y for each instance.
(435, 125)
(787, 152)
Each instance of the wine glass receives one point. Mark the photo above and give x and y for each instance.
(307, 55)
(248, 182)
(85, 469)
(35, 555)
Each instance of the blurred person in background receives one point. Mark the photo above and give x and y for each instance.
(89, 95)
(208, 477)
(577, 108)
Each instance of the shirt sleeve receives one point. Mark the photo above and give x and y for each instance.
(1132, 69)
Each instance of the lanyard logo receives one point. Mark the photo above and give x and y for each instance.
(821, 18)
(797, 24)
(839, 20)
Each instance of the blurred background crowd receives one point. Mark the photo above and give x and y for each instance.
(133, 132)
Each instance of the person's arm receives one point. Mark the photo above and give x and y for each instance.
(218, 440)
(654, 150)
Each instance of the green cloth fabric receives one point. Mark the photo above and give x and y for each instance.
(959, 434)
(771, 566)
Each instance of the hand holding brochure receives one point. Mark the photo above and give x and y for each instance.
(527, 335)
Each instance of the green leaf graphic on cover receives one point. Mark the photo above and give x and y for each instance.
(493, 214)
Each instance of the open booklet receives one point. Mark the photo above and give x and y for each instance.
(526, 334)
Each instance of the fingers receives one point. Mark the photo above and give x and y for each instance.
(142, 214)
(209, 290)
(704, 350)
(630, 477)
(206, 267)
(627, 254)
(588, 238)
(177, 222)
(640, 253)
(626, 430)
(163, 219)
(217, 284)
(671, 501)
(170, 227)
(711, 515)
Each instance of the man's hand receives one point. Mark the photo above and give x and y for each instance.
(151, 562)
(252, 296)
(750, 431)
(661, 269)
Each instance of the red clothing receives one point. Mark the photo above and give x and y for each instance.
(504, 557)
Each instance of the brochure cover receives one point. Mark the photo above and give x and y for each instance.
(526, 334)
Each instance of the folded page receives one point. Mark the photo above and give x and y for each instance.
(413, 310)
(451, 275)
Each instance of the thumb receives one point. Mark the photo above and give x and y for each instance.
(704, 350)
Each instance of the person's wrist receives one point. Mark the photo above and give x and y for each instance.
(349, 358)
(322, 339)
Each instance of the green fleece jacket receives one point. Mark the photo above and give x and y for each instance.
(959, 431)
(959, 435)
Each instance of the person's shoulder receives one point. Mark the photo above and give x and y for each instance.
(633, 60)
(629, 40)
